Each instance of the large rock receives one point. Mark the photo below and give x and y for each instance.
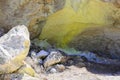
(75, 17)
(104, 41)
(31, 13)
(14, 47)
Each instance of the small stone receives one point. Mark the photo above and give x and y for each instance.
(42, 54)
(53, 70)
(33, 54)
(60, 67)
(53, 58)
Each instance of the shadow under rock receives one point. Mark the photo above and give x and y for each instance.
(94, 68)
(103, 69)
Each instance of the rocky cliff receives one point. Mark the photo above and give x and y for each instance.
(31, 13)
(77, 16)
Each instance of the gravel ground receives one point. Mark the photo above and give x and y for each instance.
(75, 73)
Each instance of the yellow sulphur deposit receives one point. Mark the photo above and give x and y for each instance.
(75, 17)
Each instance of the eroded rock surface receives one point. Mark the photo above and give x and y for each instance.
(77, 16)
(31, 13)
(14, 47)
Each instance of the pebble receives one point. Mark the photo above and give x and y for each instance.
(60, 67)
(53, 70)
(42, 54)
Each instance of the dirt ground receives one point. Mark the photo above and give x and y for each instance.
(76, 73)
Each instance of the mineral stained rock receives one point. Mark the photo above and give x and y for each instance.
(14, 47)
(75, 17)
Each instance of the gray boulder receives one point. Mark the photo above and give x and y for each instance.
(14, 47)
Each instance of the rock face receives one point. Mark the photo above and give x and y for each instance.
(75, 17)
(104, 41)
(31, 13)
(14, 47)
(78, 16)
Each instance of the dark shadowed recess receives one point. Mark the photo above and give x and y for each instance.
(95, 68)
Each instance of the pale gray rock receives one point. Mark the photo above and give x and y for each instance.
(53, 70)
(42, 54)
(14, 47)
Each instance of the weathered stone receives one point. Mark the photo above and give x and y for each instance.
(42, 54)
(53, 70)
(53, 58)
(31, 13)
(60, 67)
(103, 41)
(56, 68)
(14, 47)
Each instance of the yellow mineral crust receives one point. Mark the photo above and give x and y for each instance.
(75, 17)
(15, 63)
